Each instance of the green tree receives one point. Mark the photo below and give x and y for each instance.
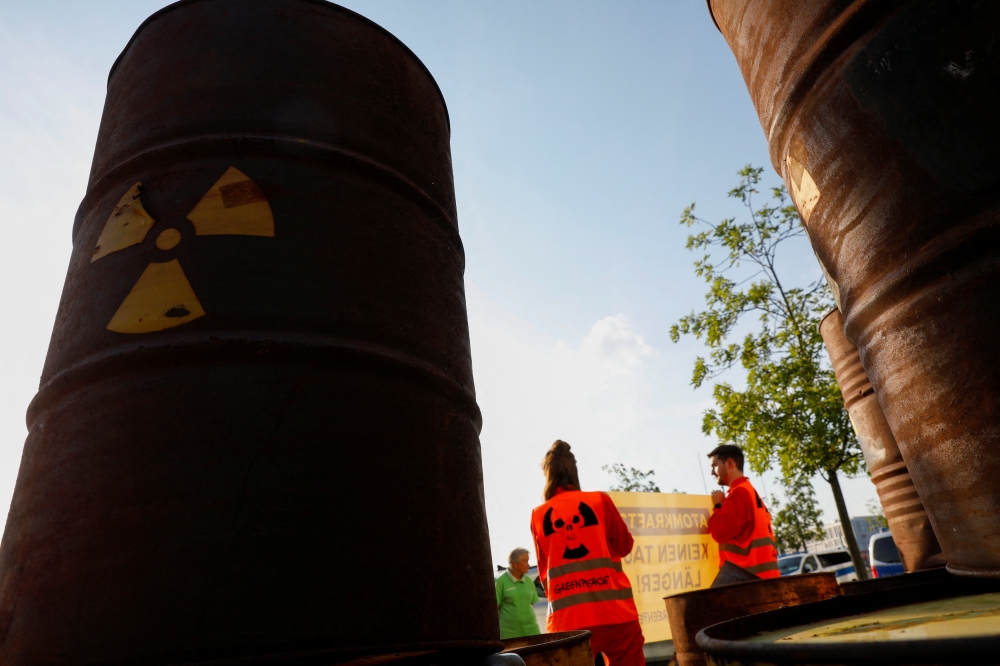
(791, 412)
(875, 508)
(631, 480)
(798, 521)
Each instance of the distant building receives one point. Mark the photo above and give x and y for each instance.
(864, 528)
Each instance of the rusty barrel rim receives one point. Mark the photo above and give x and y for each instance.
(728, 640)
(323, 3)
(822, 319)
(726, 590)
(547, 642)
(411, 654)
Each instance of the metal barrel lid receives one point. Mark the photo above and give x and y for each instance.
(742, 641)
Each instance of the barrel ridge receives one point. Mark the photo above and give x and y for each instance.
(112, 176)
(140, 355)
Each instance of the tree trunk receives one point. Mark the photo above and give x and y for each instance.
(845, 525)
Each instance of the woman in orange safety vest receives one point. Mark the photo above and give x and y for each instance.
(580, 539)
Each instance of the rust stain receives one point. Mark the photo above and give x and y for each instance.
(233, 205)
(240, 194)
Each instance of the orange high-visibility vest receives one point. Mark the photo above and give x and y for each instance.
(584, 584)
(759, 553)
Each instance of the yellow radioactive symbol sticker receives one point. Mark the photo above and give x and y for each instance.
(805, 194)
(163, 297)
(234, 205)
(128, 225)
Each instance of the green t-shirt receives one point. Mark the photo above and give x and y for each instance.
(514, 599)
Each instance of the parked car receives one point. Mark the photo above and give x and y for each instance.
(791, 564)
(884, 557)
(838, 561)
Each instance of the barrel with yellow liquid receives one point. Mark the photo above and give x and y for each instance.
(950, 621)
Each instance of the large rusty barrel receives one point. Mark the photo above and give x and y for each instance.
(880, 119)
(690, 612)
(935, 622)
(561, 648)
(256, 435)
(911, 530)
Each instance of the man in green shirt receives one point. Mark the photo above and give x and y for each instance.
(515, 594)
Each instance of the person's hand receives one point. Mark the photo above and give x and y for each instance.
(717, 497)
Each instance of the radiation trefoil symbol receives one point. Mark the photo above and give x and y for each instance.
(569, 526)
(162, 297)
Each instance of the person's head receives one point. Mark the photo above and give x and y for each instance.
(518, 562)
(559, 466)
(727, 463)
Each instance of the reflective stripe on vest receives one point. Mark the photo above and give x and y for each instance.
(588, 565)
(585, 586)
(761, 568)
(587, 597)
(760, 555)
(756, 543)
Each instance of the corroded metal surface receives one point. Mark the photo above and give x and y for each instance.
(879, 116)
(954, 621)
(691, 612)
(908, 522)
(256, 432)
(562, 648)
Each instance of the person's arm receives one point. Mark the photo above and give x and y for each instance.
(540, 557)
(498, 584)
(620, 540)
(534, 592)
(731, 518)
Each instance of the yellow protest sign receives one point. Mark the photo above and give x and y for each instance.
(673, 552)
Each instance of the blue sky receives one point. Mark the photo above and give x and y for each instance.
(580, 130)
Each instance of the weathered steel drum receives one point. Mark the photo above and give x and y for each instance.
(880, 118)
(911, 530)
(562, 648)
(256, 433)
(943, 622)
(691, 612)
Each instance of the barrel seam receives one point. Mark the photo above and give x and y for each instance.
(62, 382)
(104, 180)
(844, 32)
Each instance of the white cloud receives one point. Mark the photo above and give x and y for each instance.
(614, 344)
(591, 392)
(49, 115)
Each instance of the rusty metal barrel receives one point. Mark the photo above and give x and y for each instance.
(561, 648)
(691, 612)
(908, 522)
(930, 622)
(880, 119)
(256, 434)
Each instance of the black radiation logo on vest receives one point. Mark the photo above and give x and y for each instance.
(569, 526)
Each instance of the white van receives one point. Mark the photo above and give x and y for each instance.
(838, 561)
(884, 557)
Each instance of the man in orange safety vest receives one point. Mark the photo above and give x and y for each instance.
(741, 524)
